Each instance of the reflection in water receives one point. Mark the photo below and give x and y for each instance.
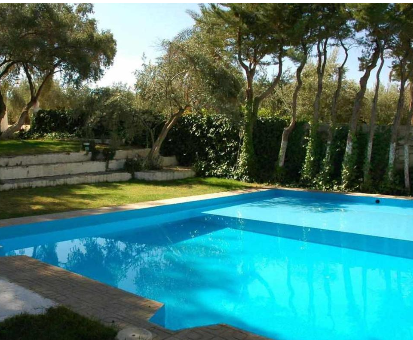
(46, 253)
(277, 287)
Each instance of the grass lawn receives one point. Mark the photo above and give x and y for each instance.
(31, 147)
(38, 201)
(57, 323)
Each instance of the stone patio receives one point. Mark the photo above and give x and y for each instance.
(100, 301)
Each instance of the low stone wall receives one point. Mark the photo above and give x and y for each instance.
(44, 159)
(72, 157)
(65, 157)
(49, 170)
(64, 180)
(165, 175)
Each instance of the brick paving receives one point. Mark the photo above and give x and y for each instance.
(105, 303)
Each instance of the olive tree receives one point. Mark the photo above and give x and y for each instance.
(64, 40)
(185, 79)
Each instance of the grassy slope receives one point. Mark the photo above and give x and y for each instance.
(37, 201)
(31, 147)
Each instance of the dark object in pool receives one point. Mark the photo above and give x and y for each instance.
(377, 201)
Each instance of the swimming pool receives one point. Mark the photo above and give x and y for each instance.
(283, 264)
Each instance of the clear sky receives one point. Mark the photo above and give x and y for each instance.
(138, 29)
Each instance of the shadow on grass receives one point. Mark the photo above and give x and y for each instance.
(38, 201)
(30, 147)
(190, 182)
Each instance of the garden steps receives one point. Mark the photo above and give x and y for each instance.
(80, 178)
(64, 157)
(31, 171)
(165, 174)
(58, 169)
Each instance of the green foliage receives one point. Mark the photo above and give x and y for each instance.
(41, 40)
(58, 323)
(108, 155)
(112, 113)
(212, 144)
(267, 141)
(247, 168)
(315, 153)
(133, 165)
(380, 156)
(349, 168)
(56, 121)
(329, 176)
(295, 155)
(209, 142)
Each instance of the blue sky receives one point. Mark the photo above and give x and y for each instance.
(138, 29)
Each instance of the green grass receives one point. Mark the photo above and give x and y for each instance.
(58, 323)
(38, 201)
(31, 147)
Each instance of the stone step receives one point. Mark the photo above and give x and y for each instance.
(81, 178)
(64, 157)
(58, 169)
(166, 174)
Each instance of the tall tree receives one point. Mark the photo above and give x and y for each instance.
(371, 20)
(301, 43)
(408, 137)
(373, 118)
(64, 40)
(325, 17)
(327, 167)
(402, 51)
(256, 36)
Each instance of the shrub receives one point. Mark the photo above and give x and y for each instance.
(57, 121)
(133, 165)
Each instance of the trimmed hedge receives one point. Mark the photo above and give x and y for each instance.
(212, 144)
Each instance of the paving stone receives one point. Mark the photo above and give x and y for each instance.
(100, 301)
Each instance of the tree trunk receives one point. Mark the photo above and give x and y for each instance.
(372, 129)
(3, 108)
(247, 156)
(246, 161)
(355, 115)
(17, 126)
(408, 137)
(287, 131)
(334, 106)
(156, 147)
(34, 97)
(321, 66)
(348, 163)
(396, 124)
(309, 170)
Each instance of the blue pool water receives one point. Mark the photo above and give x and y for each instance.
(283, 264)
